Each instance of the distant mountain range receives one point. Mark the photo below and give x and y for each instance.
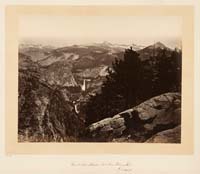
(84, 55)
(69, 66)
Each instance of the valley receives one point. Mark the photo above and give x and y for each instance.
(55, 84)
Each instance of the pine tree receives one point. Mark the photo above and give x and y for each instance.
(169, 73)
(119, 91)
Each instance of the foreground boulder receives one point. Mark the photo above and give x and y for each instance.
(140, 123)
(167, 136)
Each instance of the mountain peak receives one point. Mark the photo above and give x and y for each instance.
(159, 45)
(106, 43)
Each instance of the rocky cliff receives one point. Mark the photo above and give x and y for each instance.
(45, 114)
(155, 120)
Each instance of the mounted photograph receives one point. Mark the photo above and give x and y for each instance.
(99, 79)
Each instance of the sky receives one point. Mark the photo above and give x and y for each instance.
(140, 30)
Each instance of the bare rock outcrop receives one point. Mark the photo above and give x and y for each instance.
(167, 136)
(140, 123)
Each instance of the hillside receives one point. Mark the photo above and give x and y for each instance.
(45, 114)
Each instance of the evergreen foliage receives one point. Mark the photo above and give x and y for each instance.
(131, 81)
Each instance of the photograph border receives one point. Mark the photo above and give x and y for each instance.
(13, 13)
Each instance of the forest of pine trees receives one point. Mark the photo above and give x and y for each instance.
(131, 81)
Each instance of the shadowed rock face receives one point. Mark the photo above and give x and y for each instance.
(141, 122)
(167, 136)
(44, 113)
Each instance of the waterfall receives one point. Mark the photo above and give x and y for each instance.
(83, 87)
(76, 108)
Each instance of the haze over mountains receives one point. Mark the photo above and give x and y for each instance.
(58, 43)
(35, 47)
(70, 65)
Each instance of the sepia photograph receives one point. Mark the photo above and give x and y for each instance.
(99, 79)
(90, 88)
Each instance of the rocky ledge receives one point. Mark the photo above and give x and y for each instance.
(156, 120)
